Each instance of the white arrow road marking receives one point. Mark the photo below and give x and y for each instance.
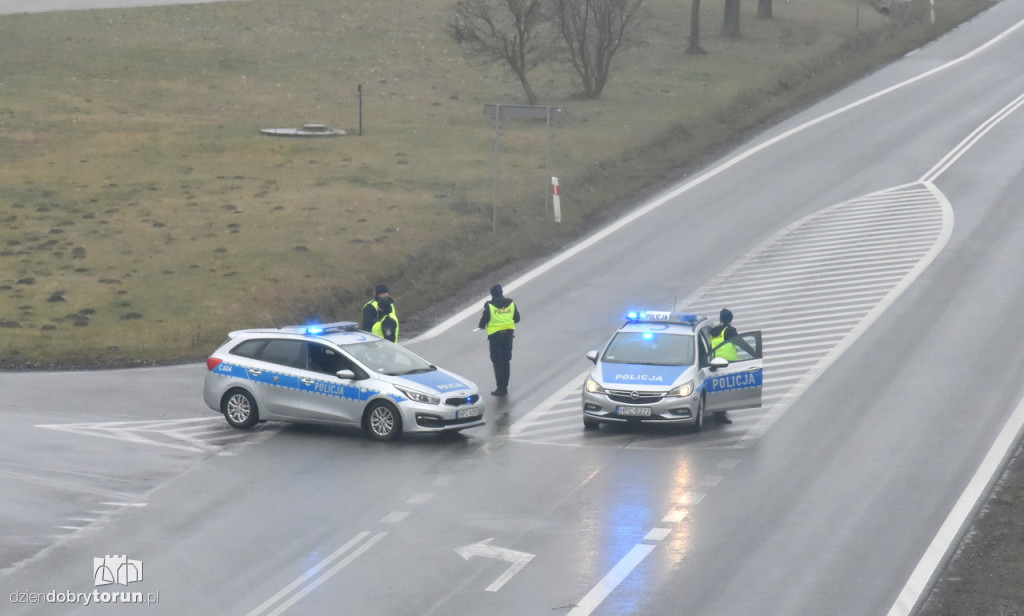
(486, 550)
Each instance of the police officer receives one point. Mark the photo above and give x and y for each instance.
(724, 339)
(371, 309)
(500, 317)
(721, 335)
(386, 325)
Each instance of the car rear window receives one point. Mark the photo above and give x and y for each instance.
(289, 353)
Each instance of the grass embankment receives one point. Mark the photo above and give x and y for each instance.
(144, 216)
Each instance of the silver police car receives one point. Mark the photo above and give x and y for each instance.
(336, 374)
(659, 368)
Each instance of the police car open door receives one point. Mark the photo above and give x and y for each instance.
(738, 385)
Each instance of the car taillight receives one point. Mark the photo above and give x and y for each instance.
(212, 363)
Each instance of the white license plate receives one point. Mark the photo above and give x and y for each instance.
(634, 411)
(470, 412)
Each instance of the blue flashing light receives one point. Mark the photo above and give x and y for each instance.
(662, 316)
(688, 317)
(316, 329)
(648, 336)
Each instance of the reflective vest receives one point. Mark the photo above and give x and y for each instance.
(723, 349)
(501, 318)
(376, 307)
(378, 327)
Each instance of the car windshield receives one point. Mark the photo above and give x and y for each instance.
(388, 358)
(649, 348)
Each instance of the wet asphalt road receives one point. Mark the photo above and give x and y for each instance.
(822, 501)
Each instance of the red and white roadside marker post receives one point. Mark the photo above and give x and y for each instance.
(555, 199)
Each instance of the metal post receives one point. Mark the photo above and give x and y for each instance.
(547, 156)
(496, 180)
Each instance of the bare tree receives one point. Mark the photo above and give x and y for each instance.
(509, 31)
(731, 24)
(695, 48)
(594, 30)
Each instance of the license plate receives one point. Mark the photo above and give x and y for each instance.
(634, 411)
(470, 412)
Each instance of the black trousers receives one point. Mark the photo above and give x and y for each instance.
(501, 357)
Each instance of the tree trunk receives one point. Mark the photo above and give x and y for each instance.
(764, 9)
(695, 48)
(530, 95)
(731, 25)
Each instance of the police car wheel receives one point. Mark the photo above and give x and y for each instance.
(382, 421)
(240, 409)
(698, 419)
(590, 424)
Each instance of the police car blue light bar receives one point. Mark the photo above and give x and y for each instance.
(662, 316)
(315, 329)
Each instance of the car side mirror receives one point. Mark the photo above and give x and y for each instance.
(592, 356)
(719, 362)
(346, 375)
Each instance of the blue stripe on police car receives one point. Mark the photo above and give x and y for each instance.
(288, 381)
(730, 382)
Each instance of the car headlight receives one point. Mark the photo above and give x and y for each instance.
(418, 396)
(682, 391)
(593, 387)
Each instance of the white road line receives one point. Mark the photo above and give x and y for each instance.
(618, 573)
(302, 580)
(951, 529)
(63, 485)
(675, 516)
(975, 136)
(657, 534)
(526, 420)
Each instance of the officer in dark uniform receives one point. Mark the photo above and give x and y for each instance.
(500, 317)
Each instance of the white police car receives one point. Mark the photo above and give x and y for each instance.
(658, 368)
(336, 374)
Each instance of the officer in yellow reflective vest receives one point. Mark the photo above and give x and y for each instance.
(724, 339)
(386, 325)
(720, 348)
(371, 309)
(500, 317)
(720, 336)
